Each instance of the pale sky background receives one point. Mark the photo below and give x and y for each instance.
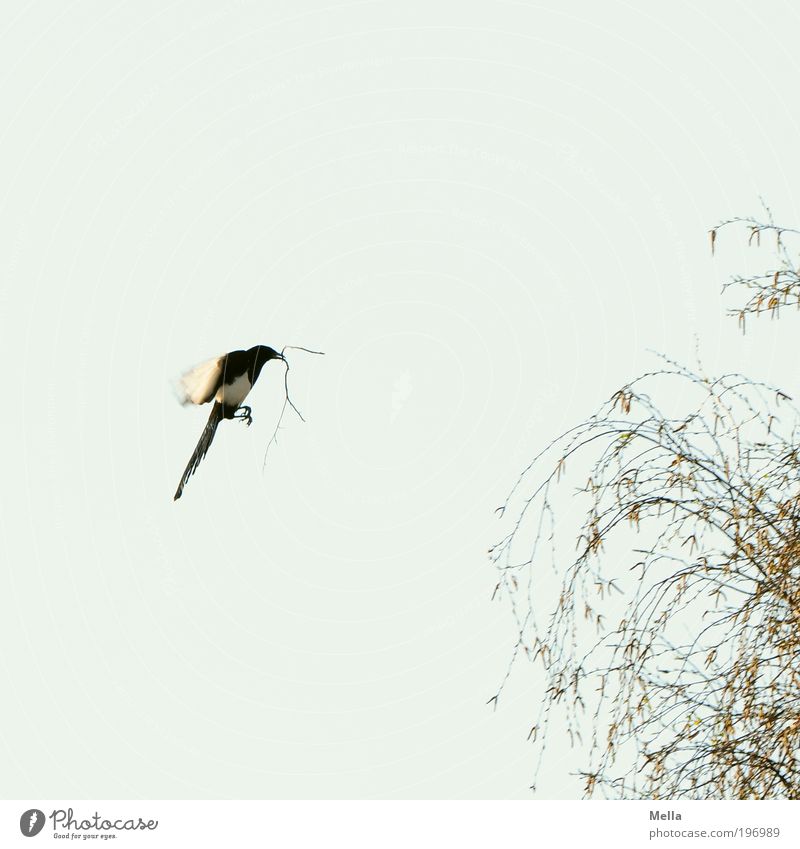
(485, 213)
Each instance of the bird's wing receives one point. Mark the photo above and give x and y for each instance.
(200, 384)
(206, 438)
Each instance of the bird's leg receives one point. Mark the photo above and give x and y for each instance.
(244, 413)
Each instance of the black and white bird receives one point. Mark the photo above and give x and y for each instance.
(227, 380)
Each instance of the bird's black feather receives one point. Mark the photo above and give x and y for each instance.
(206, 438)
(228, 379)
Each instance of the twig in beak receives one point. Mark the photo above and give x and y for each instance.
(287, 400)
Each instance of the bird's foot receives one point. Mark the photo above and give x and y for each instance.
(245, 414)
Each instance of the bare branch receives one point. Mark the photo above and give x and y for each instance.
(672, 633)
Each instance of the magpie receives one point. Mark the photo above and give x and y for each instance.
(227, 380)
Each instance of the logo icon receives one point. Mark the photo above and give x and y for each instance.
(31, 822)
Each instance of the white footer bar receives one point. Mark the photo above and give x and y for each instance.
(389, 824)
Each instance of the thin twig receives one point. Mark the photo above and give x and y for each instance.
(287, 400)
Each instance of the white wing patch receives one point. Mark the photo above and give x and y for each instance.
(198, 384)
(232, 394)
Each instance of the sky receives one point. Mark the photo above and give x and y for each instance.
(488, 215)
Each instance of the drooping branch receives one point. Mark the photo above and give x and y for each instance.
(673, 633)
(779, 284)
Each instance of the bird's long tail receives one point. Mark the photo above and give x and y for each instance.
(206, 438)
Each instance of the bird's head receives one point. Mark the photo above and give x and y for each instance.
(264, 354)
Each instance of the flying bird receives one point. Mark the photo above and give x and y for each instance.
(226, 380)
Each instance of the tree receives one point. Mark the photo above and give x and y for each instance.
(777, 286)
(672, 635)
